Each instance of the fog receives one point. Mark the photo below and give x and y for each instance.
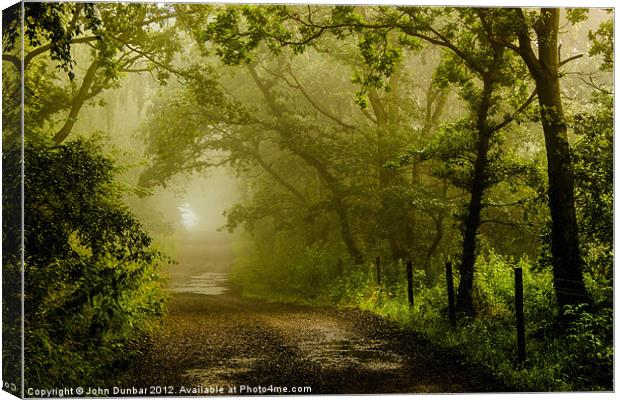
(186, 217)
(184, 213)
(203, 245)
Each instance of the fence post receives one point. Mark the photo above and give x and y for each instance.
(450, 284)
(519, 314)
(378, 264)
(410, 282)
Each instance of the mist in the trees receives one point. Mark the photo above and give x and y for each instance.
(204, 175)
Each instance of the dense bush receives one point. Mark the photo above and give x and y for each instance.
(594, 177)
(91, 282)
(589, 349)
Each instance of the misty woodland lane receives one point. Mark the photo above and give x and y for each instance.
(228, 340)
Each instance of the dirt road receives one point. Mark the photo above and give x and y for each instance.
(227, 341)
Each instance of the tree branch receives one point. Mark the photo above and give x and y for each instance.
(13, 59)
(77, 103)
(512, 117)
(575, 57)
(42, 49)
(278, 178)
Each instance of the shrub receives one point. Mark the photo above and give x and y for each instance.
(91, 284)
(588, 348)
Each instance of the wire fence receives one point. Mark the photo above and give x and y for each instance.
(495, 293)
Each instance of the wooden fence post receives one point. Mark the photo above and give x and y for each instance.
(519, 315)
(410, 283)
(378, 264)
(450, 284)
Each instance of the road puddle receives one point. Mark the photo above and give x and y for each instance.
(211, 283)
(220, 375)
(331, 344)
(352, 352)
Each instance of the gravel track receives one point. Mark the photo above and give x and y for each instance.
(226, 341)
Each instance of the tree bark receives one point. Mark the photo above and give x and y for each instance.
(78, 102)
(464, 300)
(567, 273)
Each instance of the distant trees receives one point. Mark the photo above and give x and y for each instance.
(94, 45)
(480, 46)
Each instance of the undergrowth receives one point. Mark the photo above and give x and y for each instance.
(575, 359)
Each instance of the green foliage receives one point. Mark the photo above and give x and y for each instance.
(300, 274)
(594, 183)
(454, 147)
(576, 15)
(382, 58)
(12, 332)
(589, 349)
(44, 100)
(92, 288)
(235, 31)
(47, 22)
(603, 44)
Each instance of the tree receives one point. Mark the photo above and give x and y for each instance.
(544, 68)
(464, 33)
(108, 40)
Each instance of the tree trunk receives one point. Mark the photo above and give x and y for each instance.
(567, 274)
(464, 301)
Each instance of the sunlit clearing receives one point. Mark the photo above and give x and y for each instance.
(188, 216)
